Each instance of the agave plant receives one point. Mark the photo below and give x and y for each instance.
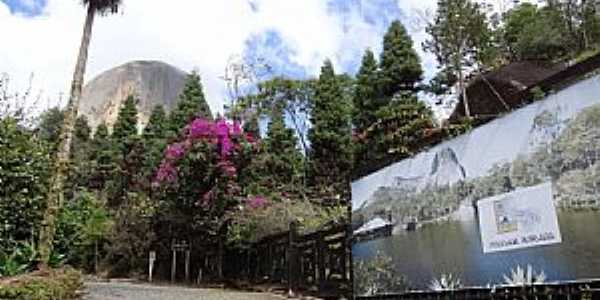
(18, 261)
(524, 276)
(445, 282)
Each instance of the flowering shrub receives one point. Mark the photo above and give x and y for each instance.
(200, 174)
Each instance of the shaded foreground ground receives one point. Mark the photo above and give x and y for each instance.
(129, 291)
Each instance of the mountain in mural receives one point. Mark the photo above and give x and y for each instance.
(445, 169)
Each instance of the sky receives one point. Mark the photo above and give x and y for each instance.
(295, 37)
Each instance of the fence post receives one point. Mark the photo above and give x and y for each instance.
(270, 262)
(220, 260)
(173, 262)
(349, 258)
(321, 252)
(187, 265)
(291, 259)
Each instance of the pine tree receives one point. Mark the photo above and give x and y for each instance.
(365, 93)
(157, 123)
(125, 139)
(103, 158)
(400, 64)
(284, 162)
(154, 140)
(191, 104)
(80, 167)
(330, 136)
(126, 124)
(401, 126)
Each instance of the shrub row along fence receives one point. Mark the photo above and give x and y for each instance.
(574, 290)
(318, 263)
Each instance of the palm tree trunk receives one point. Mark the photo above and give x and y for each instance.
(56, 191)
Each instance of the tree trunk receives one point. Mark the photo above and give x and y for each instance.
(493, 89)
(56, 191)
(463, 91)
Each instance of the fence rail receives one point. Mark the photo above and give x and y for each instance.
(318, 263)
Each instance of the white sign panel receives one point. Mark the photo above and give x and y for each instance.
(520, 219)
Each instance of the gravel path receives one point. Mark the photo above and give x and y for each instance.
(130, 291)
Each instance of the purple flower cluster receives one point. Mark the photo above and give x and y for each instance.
(175, 151)
(228, 168)
(227, 137)
(166, 172)
(257, 202)
(200, 128)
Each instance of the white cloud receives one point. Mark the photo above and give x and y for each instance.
(187, 34)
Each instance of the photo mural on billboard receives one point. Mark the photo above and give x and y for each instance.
(514, 200)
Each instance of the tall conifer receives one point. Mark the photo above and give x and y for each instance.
(330, 135)
(400, 64)
(191, 104)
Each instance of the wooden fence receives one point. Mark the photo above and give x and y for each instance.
(573, 290)
(317, 263)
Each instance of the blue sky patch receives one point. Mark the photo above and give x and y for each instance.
(277, 53)
(28, 8)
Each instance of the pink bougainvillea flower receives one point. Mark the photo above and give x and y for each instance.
(222, 129)
(166, 172)
(257, 202)
(207, 197)
(175, 151)
(200, 128)
(228, 168)
(226, 146)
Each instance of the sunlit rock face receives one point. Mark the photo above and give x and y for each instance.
(152, 82)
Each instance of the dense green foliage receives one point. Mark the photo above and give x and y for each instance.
(330, 135)
(366, 98)
(83, 226)
(535, 33)
(399, 64)
(24, 170)
(49, 126)
(284, 164)
(127, 120)
(387, 118)
(191, 104)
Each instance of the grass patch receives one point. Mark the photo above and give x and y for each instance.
(60, 284)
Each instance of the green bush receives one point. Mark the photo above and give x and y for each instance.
(83, 228)
(24, 170)
(252, 224)
(19, 260)
(56, 285)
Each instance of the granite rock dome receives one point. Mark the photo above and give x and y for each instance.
(152, 82)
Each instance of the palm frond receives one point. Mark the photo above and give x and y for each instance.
(104, 6)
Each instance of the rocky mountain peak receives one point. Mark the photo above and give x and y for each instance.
(152, 82)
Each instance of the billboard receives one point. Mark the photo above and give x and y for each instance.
(519, 195)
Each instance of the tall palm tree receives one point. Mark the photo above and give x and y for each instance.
(56, 191)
